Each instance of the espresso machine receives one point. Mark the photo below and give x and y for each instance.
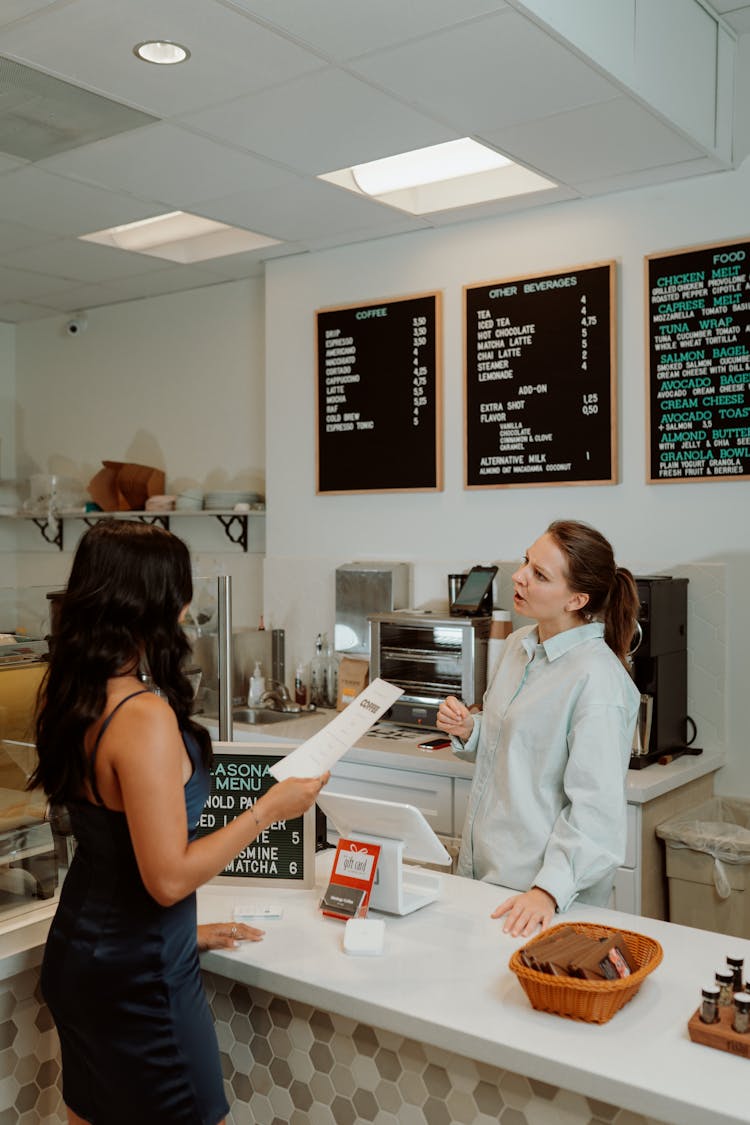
(659, 656)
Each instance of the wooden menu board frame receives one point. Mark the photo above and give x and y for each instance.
(379, 396)
(698, 363)
(283, 854)
(544, 359)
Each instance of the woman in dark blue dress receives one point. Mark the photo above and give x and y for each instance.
(121, 974)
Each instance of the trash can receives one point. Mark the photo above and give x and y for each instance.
(708, 866)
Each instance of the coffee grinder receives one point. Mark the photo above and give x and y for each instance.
(664, 728)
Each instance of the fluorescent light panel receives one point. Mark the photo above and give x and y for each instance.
(180, 237)
(438, 178)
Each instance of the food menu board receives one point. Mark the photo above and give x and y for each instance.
(540, 379)
(698, 394)
(284, 853)
(379, 396)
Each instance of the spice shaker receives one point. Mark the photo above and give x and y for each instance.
(709, 1011)
(736, 965)
(741, 1021)
(725, 981)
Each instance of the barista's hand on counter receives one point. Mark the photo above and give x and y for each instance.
(526, 911)
(454, 718)
(226, 935)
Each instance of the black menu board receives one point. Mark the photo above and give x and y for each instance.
(379, 402)
(698, 394)
(540, 379)
(284, 853)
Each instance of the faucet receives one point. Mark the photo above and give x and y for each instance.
(276, 698)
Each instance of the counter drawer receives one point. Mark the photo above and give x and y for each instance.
(431, 794)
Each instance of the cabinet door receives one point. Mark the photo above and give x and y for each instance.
(627, 891)
(430, 793)
(461, 790)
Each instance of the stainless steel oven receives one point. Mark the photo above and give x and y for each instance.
(429, 657)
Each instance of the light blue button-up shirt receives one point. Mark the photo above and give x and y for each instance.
(552, 747)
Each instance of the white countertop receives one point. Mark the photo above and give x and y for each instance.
(443, 979)
(401, 752)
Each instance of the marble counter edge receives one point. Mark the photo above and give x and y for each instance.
(475, 1047)
(655, 780)
(536, 1045)
(641, 785)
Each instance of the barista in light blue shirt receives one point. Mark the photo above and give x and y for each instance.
(547, 807)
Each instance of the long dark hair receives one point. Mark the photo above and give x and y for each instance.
(128, 584)
(611, 589)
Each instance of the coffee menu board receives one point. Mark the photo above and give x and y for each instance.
(379, 400)
(284, 853)
(540, 379)
(698, 394)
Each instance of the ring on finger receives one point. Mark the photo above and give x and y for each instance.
(233, 932)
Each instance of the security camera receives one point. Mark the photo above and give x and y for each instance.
(76, 325)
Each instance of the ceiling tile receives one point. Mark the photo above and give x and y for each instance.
(621, 136)
(482, 67)
(739, 20)
(91, 42)
(82, 261)
(18, 312)
(495, 207)
(17, 285)
(167, 163)
(166, 281)
(646, 177)
(13, 10)
(14, 236)
(234, 267)
(75, 298)
(296, 213)
(345, 28)
(358, 123)
(38, 199)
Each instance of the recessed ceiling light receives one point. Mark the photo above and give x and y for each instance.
(437, 178)
(161, 52)
(180, 237)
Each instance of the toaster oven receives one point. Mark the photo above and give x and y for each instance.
(429, 657)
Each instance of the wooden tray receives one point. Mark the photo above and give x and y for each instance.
(720, 1035)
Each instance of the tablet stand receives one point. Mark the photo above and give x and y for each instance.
(398, 889)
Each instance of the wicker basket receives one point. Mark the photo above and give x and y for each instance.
(590, 1000)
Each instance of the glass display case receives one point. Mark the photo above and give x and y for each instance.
(34, 849)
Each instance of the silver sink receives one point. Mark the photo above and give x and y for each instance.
(263, 715)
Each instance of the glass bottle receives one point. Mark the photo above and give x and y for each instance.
(332, 675)
(709, 1010)
(318, 675)
(725, 980)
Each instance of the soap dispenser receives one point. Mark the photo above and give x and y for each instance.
(257, 686)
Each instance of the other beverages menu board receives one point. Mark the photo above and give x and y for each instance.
(283, 851)
(380, 396)
(540, 379)
(698, 395)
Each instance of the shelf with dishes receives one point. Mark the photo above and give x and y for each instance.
(234, 523)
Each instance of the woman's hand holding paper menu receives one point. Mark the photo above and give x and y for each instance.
(324, 749)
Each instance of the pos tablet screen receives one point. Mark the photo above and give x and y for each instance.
(476, 584)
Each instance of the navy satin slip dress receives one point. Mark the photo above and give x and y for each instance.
(121, 977)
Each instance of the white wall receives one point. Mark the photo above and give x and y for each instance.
(653, 527)
(175, 382)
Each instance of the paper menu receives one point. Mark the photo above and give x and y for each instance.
(324, 749)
